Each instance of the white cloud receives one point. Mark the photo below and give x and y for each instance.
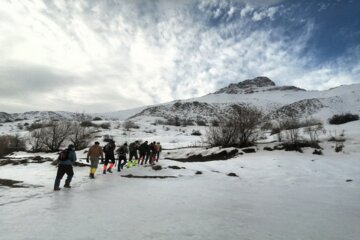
(111, 57)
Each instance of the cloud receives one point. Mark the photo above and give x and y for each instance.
(108, 55)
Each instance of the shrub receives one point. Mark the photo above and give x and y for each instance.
(20, 126)
(314, 129)
(187, 122)
(34, 126)
(87, 123)
(343, 118)
(105, 125)
(339, 147)
(174, 121)
(50, 136)
(215, 123)
(9, 144)
(239, 128)
(80, 136)
(130, 124)
(196, 133)
(97, 119)
(201, 123)
(159, 122)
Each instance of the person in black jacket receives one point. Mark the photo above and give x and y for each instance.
(133, 149)
(142, 150)
(109, 149)
(122, 151)
(65, 166)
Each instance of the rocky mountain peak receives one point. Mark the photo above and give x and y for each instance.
(256, 82)
(247, 85)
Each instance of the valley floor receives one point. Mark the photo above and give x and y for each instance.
(277, 195)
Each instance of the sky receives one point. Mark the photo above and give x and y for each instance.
(101, 56)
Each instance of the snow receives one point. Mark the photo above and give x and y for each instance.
(278, 195)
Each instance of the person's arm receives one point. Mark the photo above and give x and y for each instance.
(101, 153)
(72, 156)
(88, 154)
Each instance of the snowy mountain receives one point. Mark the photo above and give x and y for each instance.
(37, 115)
(261, 92)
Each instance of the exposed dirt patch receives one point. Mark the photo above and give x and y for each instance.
(249, 150)
(223, 155)
(176, 167)
(153, 177)
(156, 167)
(233, 175)
(24, 161)
(16, 184)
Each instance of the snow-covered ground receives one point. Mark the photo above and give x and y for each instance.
(277, 195)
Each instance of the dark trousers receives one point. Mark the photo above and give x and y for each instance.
(142, 157)
(109, 157)
(62, 169)
(157, 156)
(147, 157)
(133, 154)
(121, 164)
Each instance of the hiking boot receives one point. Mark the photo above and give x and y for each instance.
(109, 170)
(57, 189)
(67, 184)
(104, 172)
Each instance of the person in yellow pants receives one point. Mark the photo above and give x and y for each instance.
(94, 153)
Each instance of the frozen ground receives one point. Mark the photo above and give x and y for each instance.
(278, 195)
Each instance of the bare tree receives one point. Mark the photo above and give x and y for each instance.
(10, 143)
(80, 136)
(35, 140)
(239, 128)
(314, 128)
(292, 129)
(221, 135)
(130, 124)
(55, 134)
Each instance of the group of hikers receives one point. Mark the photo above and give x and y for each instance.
(139, 154)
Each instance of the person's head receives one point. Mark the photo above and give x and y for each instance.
(125, 144)
(146, 142)
(71, 147)
(97, 143)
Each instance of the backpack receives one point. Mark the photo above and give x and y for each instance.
(106, 148)
(121, 151)
(63, 155)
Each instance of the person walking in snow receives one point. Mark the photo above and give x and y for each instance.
(109, 149)
(94, 153)
(158, 151)
(148, 153)
(121, 152)
(66, 160)
(153, 152)
(142, 151)
(133, 149)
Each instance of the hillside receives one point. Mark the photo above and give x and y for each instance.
(261, 92)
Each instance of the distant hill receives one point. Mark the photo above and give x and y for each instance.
(261, 92)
